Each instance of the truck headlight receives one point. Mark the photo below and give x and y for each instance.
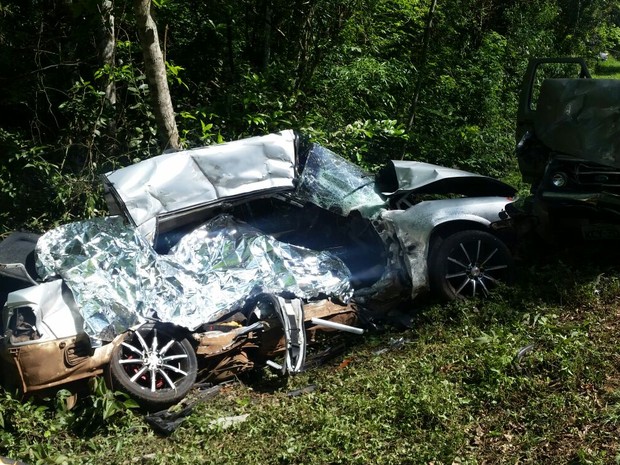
(559, 179)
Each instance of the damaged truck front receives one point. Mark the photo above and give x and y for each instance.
(568, 149)
(220, 259)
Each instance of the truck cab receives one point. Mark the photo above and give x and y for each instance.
(568, 149)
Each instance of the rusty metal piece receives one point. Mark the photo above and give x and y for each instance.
(344, 314)
(214, 342)
(32, 367)
(226, 366)
(327, 308)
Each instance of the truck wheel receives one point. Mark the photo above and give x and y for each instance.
(154, 366)
(468, 264)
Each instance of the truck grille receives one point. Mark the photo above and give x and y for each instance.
(591, 174)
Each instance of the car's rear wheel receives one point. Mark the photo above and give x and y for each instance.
(468, 264)
(154, 365)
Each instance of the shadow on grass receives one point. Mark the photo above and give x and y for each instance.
(546, 277)
(580, 275)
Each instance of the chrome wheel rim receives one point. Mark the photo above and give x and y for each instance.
(154, 361)
(473, 267)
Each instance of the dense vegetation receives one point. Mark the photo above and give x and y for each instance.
(374, 80)
(531, 376)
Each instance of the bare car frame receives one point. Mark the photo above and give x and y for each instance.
(223, 258)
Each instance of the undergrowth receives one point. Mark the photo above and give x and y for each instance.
(528, 376)
(608, 69)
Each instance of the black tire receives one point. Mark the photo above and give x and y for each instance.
(154, 366)
(468, 264)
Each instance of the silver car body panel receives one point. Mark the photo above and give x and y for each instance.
(53, 307)
(176, 181)
(413, 228)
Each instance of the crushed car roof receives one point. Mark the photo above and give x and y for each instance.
(189, 178)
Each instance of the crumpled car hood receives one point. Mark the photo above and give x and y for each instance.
(400, 176)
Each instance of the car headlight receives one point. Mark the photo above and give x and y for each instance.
(559, 179)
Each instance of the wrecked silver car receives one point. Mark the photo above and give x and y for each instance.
(220, 259)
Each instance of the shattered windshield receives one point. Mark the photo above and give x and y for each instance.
(333, 183)
(118, 280)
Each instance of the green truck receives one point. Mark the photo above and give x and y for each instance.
(568, 149)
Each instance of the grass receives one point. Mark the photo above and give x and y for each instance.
(608, 69)
(529, 376)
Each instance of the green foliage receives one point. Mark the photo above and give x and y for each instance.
(365, 86)
(346, 72)
(100, 134)
(475, 96)
(363, 142)
(103, 407)
(608, 69)
(37, 191)
(37, 430)
(608, 36)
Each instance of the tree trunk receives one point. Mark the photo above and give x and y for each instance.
(266, 39)
(156, 75)
(107, 47)
(421, 69)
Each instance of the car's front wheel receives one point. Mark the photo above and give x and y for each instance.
(154, 365)
(468, 264)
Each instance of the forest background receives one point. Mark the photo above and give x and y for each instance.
(374, 80)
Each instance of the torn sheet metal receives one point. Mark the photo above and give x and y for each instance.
(400, 176)
(118, 280)
(52, 306)
(186, 179)
(581, 117)
(333, 183)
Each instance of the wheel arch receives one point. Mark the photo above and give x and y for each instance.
(447, 228)
(178, 331)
